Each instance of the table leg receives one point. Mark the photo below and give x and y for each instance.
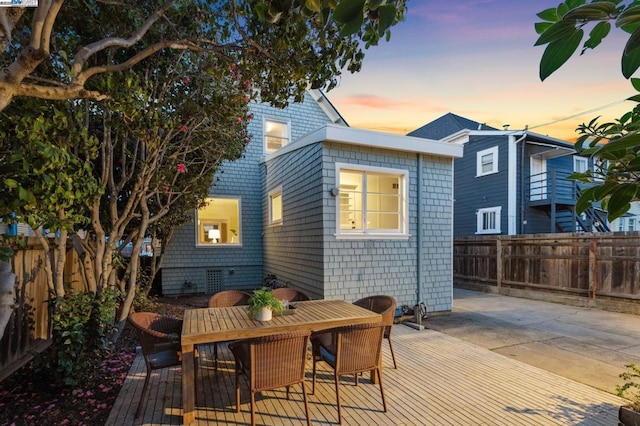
(188, 385)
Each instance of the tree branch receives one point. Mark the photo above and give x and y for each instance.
(54, 93)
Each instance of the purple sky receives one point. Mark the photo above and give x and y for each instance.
(477, 59)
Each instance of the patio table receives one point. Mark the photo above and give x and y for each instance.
(210, 325)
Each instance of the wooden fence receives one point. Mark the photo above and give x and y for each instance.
(591, 265)
(29, 329)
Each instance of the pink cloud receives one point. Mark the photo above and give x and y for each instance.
(374, 101)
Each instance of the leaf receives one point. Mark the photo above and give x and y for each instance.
(629, 19)
(11, 183)
(630, 63)
(349, 11)
(549, 14)
(558, 52)
(374, 4)
(542, 26)
(558, 31)
(629, 140)
(584, 202)
(619, 201)
(635, 82)
(314, 5)
(386, 16)
(600, 31)
(591, 11)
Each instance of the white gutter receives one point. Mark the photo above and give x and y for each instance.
(512, 181)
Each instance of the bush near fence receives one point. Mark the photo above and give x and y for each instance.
(29, 329)
(602, 267)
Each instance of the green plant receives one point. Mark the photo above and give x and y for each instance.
(261, 298)
(630, 389)
(5, 254)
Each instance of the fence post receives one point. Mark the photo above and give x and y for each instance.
(593, 268)
(499, 261)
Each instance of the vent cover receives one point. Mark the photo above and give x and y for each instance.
(214, 281)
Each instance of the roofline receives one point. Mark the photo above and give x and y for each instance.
(328, 108)
(462, 136)
(372, 139)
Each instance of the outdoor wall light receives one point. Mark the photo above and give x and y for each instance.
(334, 192)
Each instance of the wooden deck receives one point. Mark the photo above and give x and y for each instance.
(440, 380)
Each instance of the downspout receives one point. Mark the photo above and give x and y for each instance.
(419, 230)
(514, 175)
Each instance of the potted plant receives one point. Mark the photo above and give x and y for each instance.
(629, 414)
(263, 303)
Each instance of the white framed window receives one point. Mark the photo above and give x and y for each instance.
(275, 206)
(488, 220)
(487, 161)
(580, 164)
(621, 224)
(219, 222)
(632, 224)
(277, 133)
(371, 201)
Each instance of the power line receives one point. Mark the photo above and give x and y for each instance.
(578, 114)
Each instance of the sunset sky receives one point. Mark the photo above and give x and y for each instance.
(477, 59)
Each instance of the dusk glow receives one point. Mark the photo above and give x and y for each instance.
(477, 59)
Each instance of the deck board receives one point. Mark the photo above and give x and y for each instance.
(440, 380)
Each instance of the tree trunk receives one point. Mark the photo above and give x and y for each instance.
(7, 301)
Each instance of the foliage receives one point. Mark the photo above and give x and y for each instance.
(615, 145)
(282, 46)
(81, 322)
(630, 389)
(261, 298)
(6, 253)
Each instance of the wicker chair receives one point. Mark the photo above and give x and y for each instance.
(290, 294)
(159, 337)
(271, 362)
(350, 350)
(385, 306)
(223, 299)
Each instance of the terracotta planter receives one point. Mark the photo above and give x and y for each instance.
(264, 314)
(628, 417)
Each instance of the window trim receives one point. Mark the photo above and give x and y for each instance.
(494, 169)
(480, 220)
(274, 193)
(402, 233)
(578, 158)
(197, 220)
(286, 140)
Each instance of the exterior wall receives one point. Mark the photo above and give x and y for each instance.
(473, 193)
(191, 269)
(356, 268)
(293, 250)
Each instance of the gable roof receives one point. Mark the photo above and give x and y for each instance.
(447, 125)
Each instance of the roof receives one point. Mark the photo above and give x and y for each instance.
(447, 125)
(370, 138)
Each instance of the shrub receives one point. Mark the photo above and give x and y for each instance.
(630, 389)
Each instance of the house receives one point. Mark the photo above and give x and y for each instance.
(333, 211)
(512, 182)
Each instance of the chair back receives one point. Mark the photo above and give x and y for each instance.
(156, 332)
(358, 347)
(290, 294)
(380, 304)
(278, 360)
(228, 298)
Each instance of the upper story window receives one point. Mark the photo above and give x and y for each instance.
(632, 224)
(488, 220)
(487, 161)
(218, 222)
(371, 200)
(276, 134)
(580, 164)
(275, 207)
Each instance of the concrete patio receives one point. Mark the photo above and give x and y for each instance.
(440, 380)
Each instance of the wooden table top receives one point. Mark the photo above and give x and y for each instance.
(209, 325)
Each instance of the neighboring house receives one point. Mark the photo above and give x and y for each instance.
(333, 211)
(512, 182)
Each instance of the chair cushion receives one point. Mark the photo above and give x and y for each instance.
(327, 356)
(164, 359)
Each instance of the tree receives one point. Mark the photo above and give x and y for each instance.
(118, 142)
(615, 181)
(282, 44)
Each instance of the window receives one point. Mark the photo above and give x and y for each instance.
(371, 200)
(276, 134)
(218, 222)
(621, 223)
(275, 207)
(580, 164)
(487, 161)
(632, 224)
(488, 220)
